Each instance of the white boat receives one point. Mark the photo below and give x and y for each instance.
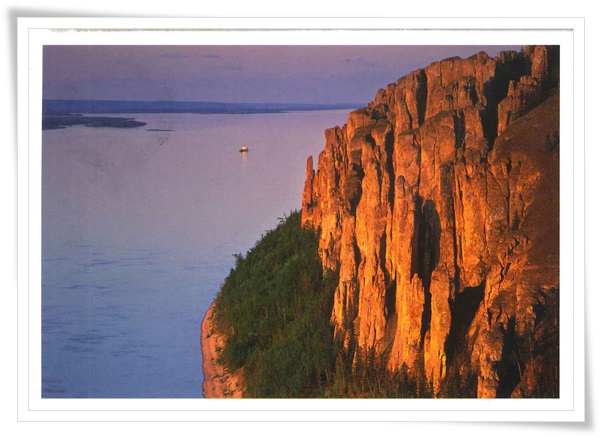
(244, 149)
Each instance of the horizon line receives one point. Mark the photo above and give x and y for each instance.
(200, 101)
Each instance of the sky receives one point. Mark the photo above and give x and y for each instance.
(236, 74)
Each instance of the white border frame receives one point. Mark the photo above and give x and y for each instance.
(33, 33)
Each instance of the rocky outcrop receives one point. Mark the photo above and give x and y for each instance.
(438, 205)
(218, 382)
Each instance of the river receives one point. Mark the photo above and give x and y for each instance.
(139, 228)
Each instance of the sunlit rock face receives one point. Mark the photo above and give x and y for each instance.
(439, 205)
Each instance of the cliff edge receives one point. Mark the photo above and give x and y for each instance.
(218, 381)
(438, 204)
(434, 268)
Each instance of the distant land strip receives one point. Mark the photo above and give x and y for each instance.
(62, 121)
(70, 107)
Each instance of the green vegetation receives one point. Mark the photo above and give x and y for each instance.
(275, 307)
(367, 376)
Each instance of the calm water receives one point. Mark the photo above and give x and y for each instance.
(139, 228)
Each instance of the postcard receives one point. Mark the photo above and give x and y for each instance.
(228, 219)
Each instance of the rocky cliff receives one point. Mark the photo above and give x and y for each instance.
(438, 204)
(218, 381)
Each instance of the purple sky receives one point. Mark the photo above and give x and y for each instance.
(266, 74)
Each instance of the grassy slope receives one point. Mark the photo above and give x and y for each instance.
(274, 307)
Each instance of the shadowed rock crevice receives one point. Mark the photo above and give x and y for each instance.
(459, 129)
(353, 186)
(462, 312)
(428, 231)
(421, 95)
(509, 66)
(489, 114)
(390, 300)
(389, 167)
(553, 66)
(390, 313)
(509, 367)
(427, 253)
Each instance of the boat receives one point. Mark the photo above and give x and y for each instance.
(244, 149)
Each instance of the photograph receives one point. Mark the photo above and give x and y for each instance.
(228, 220)
(357, 230)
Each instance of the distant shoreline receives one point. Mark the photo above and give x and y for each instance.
(59, 114)
(67, 107)
(50, 122)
